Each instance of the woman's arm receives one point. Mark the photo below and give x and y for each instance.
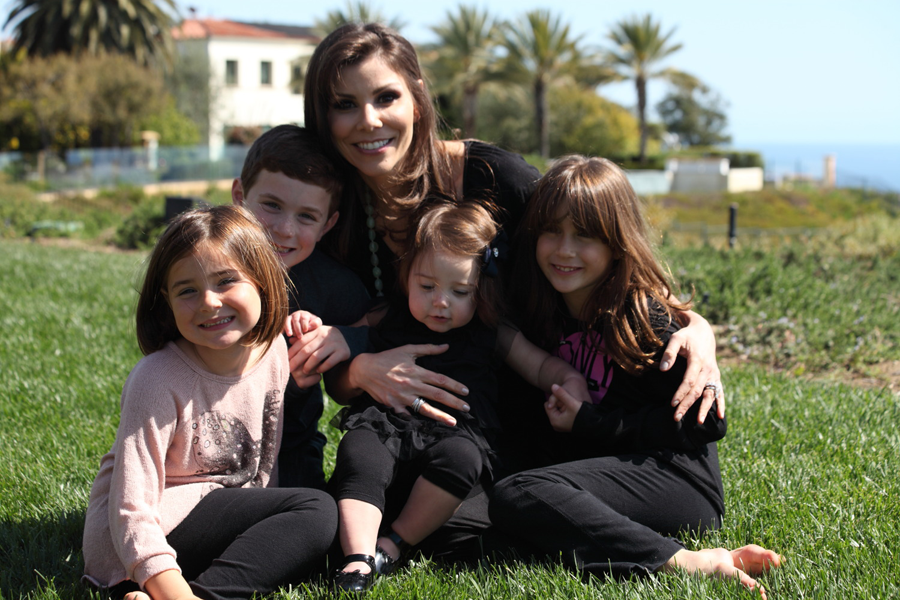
(597, 426)
(697, 343)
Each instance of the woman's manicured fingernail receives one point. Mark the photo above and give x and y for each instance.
(465, 391)
(664, 365)
(466, 407)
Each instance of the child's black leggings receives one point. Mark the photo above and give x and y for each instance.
(241, 541)
(365, 468)
(607, 515)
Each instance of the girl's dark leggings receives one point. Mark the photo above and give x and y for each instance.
(365, 469)
(241, 541)
(610, 515)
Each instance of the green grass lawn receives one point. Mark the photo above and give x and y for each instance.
(809, 468)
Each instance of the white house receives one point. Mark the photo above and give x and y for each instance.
(251, 68)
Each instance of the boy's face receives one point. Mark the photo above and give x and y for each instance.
(295, 213)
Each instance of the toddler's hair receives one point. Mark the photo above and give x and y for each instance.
(463, 229)
(234, 232)
(295, 152)
(598, 197)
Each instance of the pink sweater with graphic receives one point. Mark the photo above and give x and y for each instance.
(183, 433)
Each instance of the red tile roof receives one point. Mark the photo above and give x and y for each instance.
(206, 28)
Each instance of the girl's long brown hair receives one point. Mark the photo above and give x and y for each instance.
(425, 168)
(236, 233)
(597, 195)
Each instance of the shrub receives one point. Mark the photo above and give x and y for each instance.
(633, 162)
(141, 228)
(737, 159)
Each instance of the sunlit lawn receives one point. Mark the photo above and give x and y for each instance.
(809, 469)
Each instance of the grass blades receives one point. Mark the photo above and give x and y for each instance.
(809, 468)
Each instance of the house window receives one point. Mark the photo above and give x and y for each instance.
(296, 79)
(231, 72)
(265, 72)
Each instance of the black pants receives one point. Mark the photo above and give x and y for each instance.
(238, 541)
(301, 456)
(609, 515)
(365, 470)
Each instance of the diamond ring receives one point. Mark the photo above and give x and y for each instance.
(715, 386)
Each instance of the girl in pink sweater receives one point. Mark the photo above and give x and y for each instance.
(182, 505)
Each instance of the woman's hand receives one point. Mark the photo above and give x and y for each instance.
(697, 343)
(562, 408)
(393, 379)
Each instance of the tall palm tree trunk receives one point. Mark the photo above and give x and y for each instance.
(641, 85)
(541, 110)
(470, 110)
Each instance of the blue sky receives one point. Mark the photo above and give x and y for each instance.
(792, 71)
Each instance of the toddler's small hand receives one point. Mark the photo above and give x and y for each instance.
(561, 408)
(316, 352)
(301, 322)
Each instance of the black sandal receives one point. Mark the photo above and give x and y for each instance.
(355, 582)
(385, 564)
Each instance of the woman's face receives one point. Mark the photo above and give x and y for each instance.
(372, 119)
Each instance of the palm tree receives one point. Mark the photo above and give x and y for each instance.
(355, 12)
(139, 28)
(465, 58)
(542, 49)
(640, 46)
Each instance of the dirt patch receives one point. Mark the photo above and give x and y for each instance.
(89, 245)
(884, 375)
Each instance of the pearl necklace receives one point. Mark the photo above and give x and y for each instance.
(373, 245)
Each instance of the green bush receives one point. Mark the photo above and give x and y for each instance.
(19, 210)
(537, 161)
(821, 304)
(633, 162)
(737, 159)
(141, 228)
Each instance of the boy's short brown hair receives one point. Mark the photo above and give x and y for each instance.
(295, 152)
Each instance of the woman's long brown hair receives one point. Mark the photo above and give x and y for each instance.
(426, 167)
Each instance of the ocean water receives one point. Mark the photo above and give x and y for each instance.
(872, 166)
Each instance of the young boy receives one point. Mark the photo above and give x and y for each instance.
(294, 191)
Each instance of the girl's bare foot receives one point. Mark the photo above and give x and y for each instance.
(737, 564)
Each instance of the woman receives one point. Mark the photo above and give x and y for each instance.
(368, 105)
(367, 102)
